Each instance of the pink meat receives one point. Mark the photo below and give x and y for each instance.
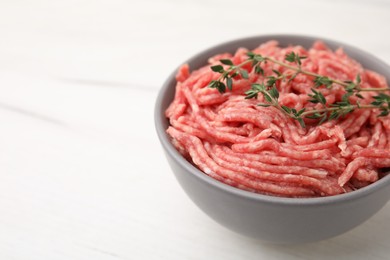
(262, 150)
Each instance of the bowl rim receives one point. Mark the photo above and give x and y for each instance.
(159, 118)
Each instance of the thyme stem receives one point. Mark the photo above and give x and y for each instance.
(271, 94)
(299, 70)
(329, 109)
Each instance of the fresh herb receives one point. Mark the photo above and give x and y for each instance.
(271, 94)
(317, 97)
(225, 80)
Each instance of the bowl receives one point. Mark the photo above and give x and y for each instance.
(267, 218)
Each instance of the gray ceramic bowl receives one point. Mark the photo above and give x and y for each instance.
(272, 219)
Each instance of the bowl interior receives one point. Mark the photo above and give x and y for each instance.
(166, 95)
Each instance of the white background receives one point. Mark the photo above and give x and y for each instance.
(82, 175)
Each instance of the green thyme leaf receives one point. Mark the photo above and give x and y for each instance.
(359, 96)
(251, 94)
(377, 102)
(293, 57)
(229, 83)
(278, 73)
(221, 87)
(323, 81)
(300, 112)
(217, 68)
(274, 92)
(226, 62)
(358, 79)
(244, 74)
(267, 97)
(334, 115)
(301, 122)
(258, 58)
(213, 84)
(264, 105)
(250, 55)
(258, 87)
(315, 115)
(286, 109)
(317, 97)
(346, 96)
(271, 81)
(290, 57)
(259, 70)
(384, 113)
(350, 87)
(323, 119)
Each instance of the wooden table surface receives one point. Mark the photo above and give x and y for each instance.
(83, 175)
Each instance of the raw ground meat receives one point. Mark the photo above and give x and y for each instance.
(262, 150)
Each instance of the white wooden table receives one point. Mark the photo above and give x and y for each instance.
(82, 173)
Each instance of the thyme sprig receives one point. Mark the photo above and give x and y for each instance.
(228, 74)
(271, 94)
(271, 97)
